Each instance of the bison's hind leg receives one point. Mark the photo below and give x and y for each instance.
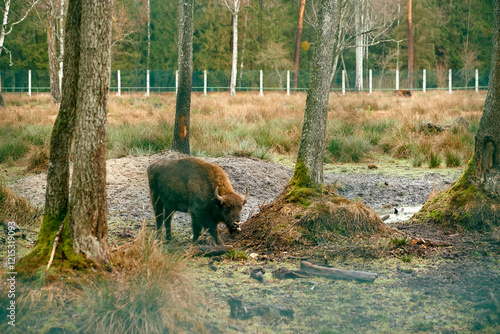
(159, 214)
(168, 222)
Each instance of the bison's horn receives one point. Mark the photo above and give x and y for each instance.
(246, 195)
(219, 197)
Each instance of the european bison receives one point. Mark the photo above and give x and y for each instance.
(198, 187)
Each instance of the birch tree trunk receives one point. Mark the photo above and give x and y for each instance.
(234, 68)
(296, 58)
(55, 92)
(234, 8)
(309, 166)
(358, 8)
(183, 104)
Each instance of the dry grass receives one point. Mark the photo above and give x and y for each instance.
(360, 125)
(149, 291)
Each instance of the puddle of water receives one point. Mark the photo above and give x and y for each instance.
(404, 213)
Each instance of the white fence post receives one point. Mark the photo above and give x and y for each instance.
(397, 79)
(205, 83)
(424, 83)
(119, 82)
(29, 82)
(370, 81)
(147, 83)
(287, 82)
(343, 82)
(176, 81)
(477, 81)
(449, 80)
(261, 83)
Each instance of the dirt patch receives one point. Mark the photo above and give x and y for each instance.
(129, 203)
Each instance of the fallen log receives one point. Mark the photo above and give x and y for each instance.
(312, 269)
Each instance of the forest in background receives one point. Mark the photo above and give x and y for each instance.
(446, 34)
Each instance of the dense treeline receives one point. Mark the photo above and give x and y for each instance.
(446, 33)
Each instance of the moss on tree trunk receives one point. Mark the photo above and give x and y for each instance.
(473, 201)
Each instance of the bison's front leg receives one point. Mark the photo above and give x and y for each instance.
(196, 230)
(168, 223)
(215, 234)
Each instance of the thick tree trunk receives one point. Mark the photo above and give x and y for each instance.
(88, 209)
(487, 149)
(309, 166)
(472, 201)
(183, 105)
(298, 39)
(55, 92)
(57, 193)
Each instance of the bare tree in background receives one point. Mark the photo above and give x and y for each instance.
(410, 46)
(296, 57)
(8, 24)
(234, 7)
(55, 33)
(183, 105)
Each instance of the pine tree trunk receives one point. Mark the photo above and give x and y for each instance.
(309, 166)
(487, 148)
(183, 104)
(302, 9)
(410, 46)
(88, 208)
(52, 50)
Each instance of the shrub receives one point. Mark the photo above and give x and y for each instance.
(452, 159)
(434, 160)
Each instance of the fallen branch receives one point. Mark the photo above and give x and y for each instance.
(56, 241)
(360, 276)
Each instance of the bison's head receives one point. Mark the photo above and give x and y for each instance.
(231, 205)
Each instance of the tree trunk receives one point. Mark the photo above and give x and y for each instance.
(296, 57)
(487, 148)
(57, 192)
(234, 68)
(309, 165)
(183, 104)
(87, 64)
(55, 92)
(88, 208)
(358, 8)
(472, 201)
(410, 47)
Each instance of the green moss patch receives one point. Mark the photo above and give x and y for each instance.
(463, 206)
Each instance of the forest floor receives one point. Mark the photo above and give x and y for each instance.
(430, 279)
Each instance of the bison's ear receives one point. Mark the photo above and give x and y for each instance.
(219, 197)
(245, 197)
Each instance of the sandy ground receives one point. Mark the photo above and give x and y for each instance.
(129, 203)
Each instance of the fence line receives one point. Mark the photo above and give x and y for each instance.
(36, 81)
